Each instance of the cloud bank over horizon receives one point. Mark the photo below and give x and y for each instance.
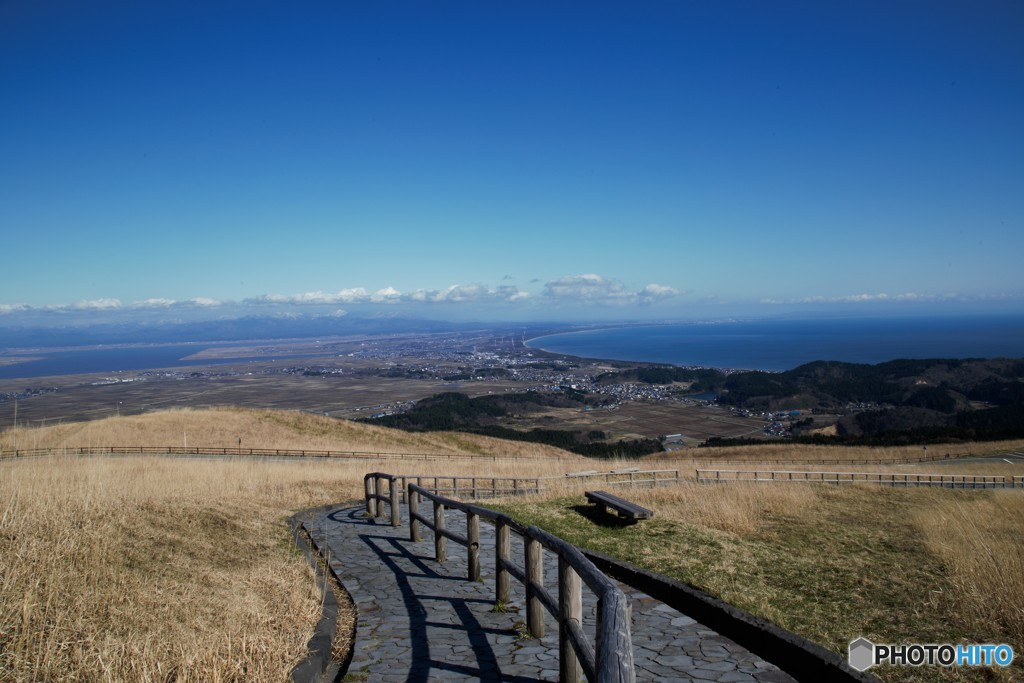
(587, 297)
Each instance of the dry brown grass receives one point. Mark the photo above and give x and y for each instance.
(740, 509)
(162, 568)
(261, 429)
(980, 539)
(830, 563)
(789, 451)
(153, 569)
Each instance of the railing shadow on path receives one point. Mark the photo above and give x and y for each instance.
(428, 615)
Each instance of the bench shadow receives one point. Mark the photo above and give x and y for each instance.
(595, 514)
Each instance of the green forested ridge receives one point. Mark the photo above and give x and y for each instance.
(909, 401)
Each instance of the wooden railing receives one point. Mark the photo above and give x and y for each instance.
(381, 488)
(896, 479)
(476, 488)
(608, 659)
(471, 487)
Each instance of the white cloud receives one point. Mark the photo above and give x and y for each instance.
(388, 295)
(592, 288)
(467, 294)
(154, 303)
(510, 293)
(95, 305)
(655, 292)
(353, 296)
(589, 287)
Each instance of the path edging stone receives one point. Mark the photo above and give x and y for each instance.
(319, 665)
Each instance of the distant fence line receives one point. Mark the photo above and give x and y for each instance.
(372, 455)
(826, 461)
(893, 479)
(275, 452)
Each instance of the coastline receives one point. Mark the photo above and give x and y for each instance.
(777, 345)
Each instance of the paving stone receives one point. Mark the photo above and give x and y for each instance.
(421, 620)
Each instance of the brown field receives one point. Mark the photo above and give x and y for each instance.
(646, 419)
(90, 397)
(140, 568)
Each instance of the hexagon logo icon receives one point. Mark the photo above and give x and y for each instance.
(862, 654)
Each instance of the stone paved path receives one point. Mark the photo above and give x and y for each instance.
(420, 620)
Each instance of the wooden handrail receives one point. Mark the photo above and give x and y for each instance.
(610, 657)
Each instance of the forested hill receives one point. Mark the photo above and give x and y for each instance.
(945, 385)
(901, 401)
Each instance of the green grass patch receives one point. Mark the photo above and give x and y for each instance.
(853, 564)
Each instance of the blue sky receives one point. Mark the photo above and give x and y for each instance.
(509, 160)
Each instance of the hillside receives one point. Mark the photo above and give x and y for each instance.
(944, 385)
(229, 427)
(150, 565)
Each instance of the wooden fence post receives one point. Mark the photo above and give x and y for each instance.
(370, 484)
(439, 539)
(570, 608)
(473, 545)
(534, 576)
(614, 652)
(396, 510)
(414, 509)
(379, 486)
(501, 545)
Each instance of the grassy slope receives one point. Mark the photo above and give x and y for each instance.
(223, 427)
(833, 564)
(154, 568)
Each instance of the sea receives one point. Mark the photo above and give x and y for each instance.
(749, 345)
(53, 362)
(778, 345)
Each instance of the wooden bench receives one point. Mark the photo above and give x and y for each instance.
(624, 508)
